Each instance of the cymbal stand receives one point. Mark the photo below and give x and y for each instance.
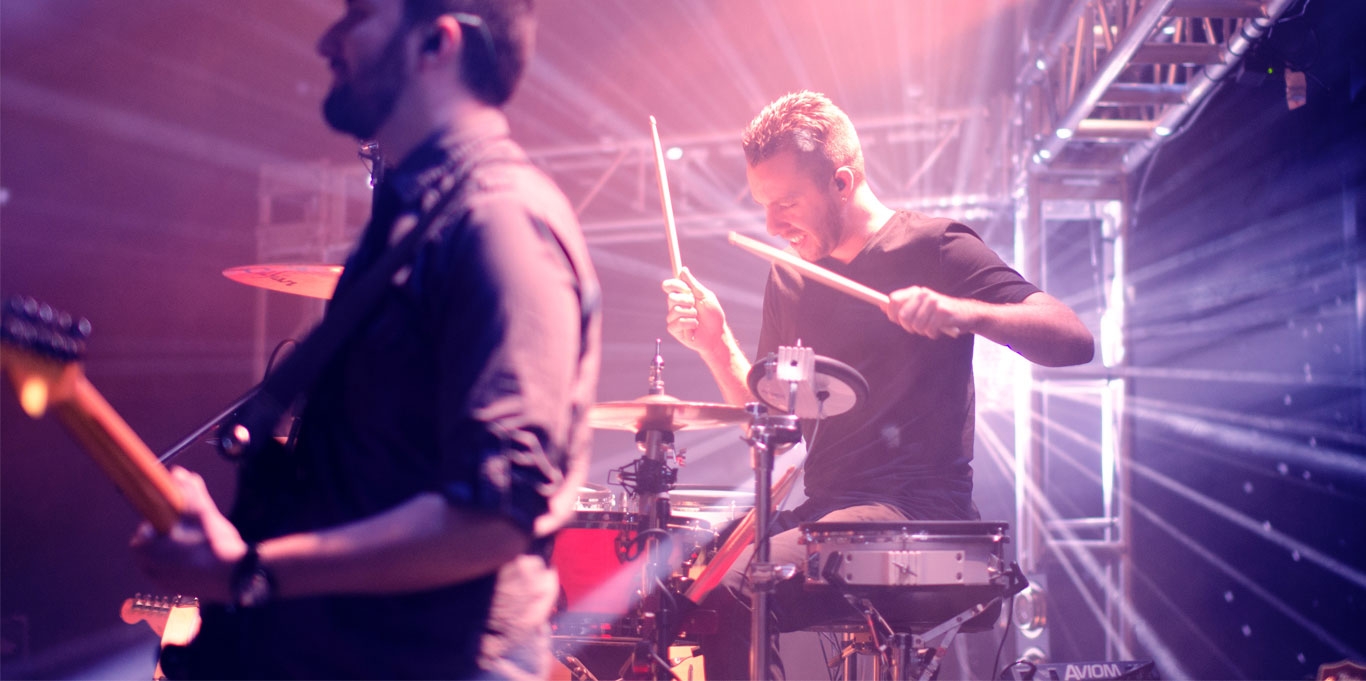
(653, 480)
(767, 434)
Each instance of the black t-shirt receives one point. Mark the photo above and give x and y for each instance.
(910, 443)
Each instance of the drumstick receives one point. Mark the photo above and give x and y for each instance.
(671, 232)
(838, 282)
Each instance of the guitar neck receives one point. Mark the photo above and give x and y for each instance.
(123, 456)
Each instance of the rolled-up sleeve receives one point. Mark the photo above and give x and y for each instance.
(509, 333)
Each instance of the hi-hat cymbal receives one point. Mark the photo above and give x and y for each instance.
(313, 281)
(662, 412)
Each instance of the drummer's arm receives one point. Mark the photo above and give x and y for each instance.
(730, 367)
(696, 319)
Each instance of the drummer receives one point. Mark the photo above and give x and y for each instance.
(906, 453)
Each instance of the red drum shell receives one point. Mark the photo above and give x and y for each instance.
(594, 579)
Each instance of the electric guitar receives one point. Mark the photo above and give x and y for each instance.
(40, 351)
(175, 619)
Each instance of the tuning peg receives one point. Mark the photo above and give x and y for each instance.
(80, 329)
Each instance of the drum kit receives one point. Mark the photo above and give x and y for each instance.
(630, 567)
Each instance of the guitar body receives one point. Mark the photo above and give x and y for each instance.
(41, 356)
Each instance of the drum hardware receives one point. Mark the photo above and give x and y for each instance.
(656, 538)
(901, 655)
(781, 380)
(834, 387)
(946, 573)
(768, 433)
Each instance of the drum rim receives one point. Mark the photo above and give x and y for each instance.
(974, 531)
(612, 520)
(953, 526)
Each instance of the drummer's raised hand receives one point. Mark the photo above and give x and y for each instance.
(695, 315)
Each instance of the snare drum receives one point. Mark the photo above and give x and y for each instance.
(923, 554)
(595, 498)
(718, 507)
(602, 574)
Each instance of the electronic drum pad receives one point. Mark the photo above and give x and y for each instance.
(835, 389)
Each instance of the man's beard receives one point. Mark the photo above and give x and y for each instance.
(829, 236)
(363, 102)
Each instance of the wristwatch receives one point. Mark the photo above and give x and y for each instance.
(252, 584)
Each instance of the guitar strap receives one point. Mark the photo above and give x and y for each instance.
(262, 412)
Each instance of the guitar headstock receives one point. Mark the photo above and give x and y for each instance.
(40, 345)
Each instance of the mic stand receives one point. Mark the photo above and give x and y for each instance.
(653, 483)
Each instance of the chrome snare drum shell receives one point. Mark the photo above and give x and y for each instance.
(905, 554)
(593, 497)
(716, 506)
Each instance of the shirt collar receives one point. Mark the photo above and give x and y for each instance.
(440, 153)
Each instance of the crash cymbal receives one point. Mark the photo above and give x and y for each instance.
(662, 412)
(313, 281)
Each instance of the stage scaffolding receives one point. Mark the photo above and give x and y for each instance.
(1101, 84)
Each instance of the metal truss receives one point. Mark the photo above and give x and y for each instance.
(1102, 87)
(1097, 92)
(613, 189)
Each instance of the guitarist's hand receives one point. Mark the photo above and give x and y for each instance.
(198, 554)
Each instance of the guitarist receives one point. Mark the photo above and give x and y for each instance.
(406, 535)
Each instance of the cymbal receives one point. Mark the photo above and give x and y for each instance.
(662, 412)
(313, 281)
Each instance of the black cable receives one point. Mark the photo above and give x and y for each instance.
(1010, 619)
(275, 354)
(825, 656)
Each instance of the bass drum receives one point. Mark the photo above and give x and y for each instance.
(602, 574)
